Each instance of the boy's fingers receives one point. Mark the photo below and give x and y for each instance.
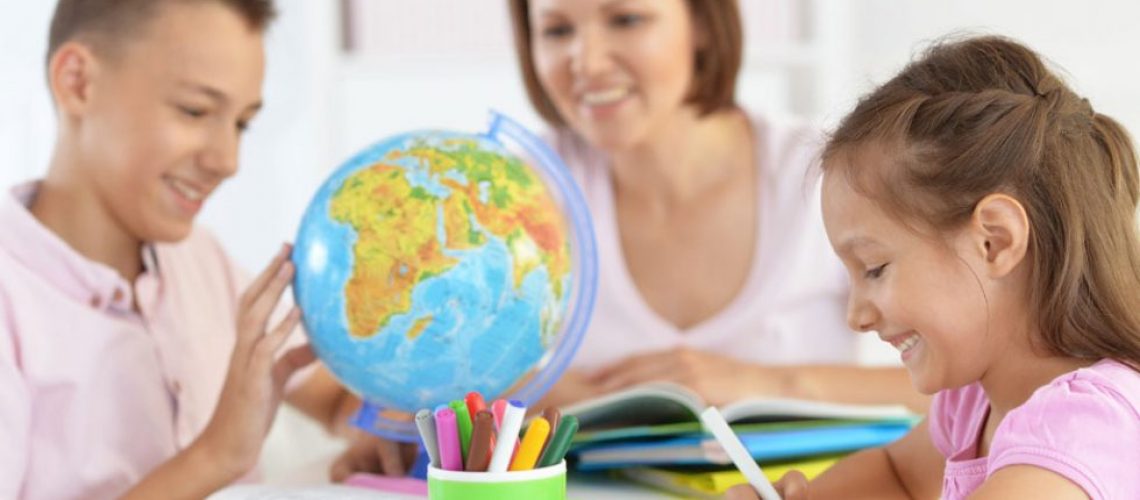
(391, 463)
(254, 319)
(254, 289)
(294, 359)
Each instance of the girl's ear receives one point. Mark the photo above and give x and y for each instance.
(70, 76)
(1001, 229)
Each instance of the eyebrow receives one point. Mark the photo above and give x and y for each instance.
(215, 94)
(855, 242)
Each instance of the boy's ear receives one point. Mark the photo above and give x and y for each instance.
(1001, 233)
(70, 73)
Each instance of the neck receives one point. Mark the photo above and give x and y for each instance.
(67, 204)
(687, 157)
(1020, 370)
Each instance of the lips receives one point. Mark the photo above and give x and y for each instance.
(604, 96)
(189, 196)
(903, 342)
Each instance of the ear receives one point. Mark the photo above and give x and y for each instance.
(1001, 233)
(71, 72)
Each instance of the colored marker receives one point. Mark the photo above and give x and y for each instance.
(497, 409)
(552, 415)
(475, 404)
(450, 456)
(715, 423)
(484, 430)
(531, 445)
(425, 422)
(508, 436)
(558, 445)
(463, 422)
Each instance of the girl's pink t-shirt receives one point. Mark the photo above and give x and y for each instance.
(791, 309)
(1084, 425)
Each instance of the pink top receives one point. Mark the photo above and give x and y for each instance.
(791, 308)
(92, 395)
(1084, 425)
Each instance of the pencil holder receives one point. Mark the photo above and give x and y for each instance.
(547, 483)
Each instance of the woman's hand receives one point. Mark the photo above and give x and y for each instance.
(375, 455)
(718, 379)
(793, 486)
(254, 382)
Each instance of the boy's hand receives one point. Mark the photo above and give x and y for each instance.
(372, 454)
(793, 486)
(254, 383)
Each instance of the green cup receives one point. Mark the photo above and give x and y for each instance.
(547, 483)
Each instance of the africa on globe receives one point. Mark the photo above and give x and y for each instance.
(437, 263)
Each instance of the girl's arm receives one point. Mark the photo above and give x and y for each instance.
(908, 468)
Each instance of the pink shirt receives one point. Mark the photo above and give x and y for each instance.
(93, 395)
(792, 306)
(1084, 425)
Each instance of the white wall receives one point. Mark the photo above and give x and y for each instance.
(1095, 41)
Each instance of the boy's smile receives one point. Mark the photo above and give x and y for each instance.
(164, 116)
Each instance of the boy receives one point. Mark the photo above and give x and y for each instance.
(130, 362)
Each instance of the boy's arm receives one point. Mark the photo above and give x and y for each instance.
(908, 468)
(321, 397)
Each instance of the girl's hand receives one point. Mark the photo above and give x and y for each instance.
(372, 454)
(254, 383)
(793, 486)
(718, 379)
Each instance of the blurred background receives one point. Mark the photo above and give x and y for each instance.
(345, 73)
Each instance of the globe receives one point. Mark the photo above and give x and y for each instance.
(436, 263)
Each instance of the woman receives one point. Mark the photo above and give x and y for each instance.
(716, 273)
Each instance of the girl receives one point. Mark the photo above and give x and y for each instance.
(713, 256)
(987, 217)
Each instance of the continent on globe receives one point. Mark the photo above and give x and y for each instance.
(448, 197)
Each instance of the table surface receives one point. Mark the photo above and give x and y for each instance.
(311, 483)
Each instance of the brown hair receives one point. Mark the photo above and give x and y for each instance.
(104, 23)
(715, 68)
(985, 115)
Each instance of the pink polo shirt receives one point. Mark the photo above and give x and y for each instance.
(93, 395)
(1083, 425)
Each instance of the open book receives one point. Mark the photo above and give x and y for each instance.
(658, 424)
(667, 403)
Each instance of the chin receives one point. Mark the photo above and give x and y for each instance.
(170, 231)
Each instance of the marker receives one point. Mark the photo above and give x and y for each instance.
(497, 409)
(463, 422)
(475, 404)
(484, 430)
(552, 415)
(425, 422)
(715, 423)
(450, 456)
(560, 442)
(531, 445)
(508, 436)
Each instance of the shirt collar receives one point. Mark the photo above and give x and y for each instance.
(48, 256)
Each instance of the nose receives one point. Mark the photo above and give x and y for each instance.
(862, 315)
(220, 156)
(591, 52)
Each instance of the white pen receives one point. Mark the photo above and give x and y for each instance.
(715, 423)
(508, 436)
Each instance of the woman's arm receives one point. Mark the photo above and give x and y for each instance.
(721, 379)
